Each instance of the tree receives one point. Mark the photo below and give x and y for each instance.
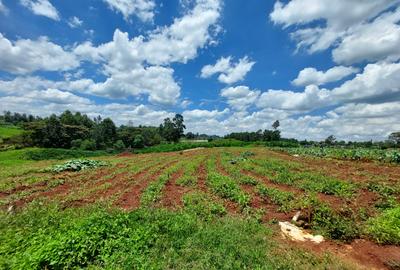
(67, 118)
(330, 140)
(54, 133)
(179, 126)
(395, 137)
(190, 136)
(173, 130)
(275, 125)
(138, 142)
(105, 133)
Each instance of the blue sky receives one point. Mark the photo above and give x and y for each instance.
(318, 67)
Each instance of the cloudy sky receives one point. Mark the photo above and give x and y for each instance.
(321, 67)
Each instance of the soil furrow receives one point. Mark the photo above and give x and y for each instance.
(173, 193)
(131, 199)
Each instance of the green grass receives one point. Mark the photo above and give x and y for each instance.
(54, 153)
(9, 131)
(50, 238)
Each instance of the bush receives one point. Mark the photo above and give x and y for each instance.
(385, 228)
(334, 225)
(76, 144)
(119, 145)
(88, 144)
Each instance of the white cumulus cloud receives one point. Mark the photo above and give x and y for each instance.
(310, 75)
(42, 8)
(26, 56)
(143, 9)
(228, 71)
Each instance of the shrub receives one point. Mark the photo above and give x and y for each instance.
(119, 145)
(76, 144)
(88, 144)
(385, 228)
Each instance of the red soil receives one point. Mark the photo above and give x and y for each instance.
(125, 154)
(131, 199)
(173, 193)
(365, 254)
(357, 171)
(230, 206)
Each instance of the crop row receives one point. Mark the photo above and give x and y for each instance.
(282, 172)
(225, 186)
(392, 156)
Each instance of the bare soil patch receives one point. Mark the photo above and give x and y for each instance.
(173, 193)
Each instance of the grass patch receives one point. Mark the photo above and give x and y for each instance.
(55, 153)
(9, 131)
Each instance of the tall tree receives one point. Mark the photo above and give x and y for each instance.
(173, 130)
(275, 125)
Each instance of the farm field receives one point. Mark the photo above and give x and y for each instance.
(214, 208)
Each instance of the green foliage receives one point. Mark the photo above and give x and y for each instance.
(202, 206)
(153, 192)
(88, 144)
(227, 188)
(53, 153)
(344, 153)
(289, 173)
(77, 165)
(104, 133)
(172, 130)
(7, 131)
(282, 198)
(387, 195)
(172, 147)
(138, 142)
(50, 238)
(338, 226)
(119, 145)
(385, 228)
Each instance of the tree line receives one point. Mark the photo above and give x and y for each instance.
(76, 130)
(266, 135)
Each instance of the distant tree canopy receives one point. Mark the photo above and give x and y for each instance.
(17, 118)
(172, 130)
(266, 135)
(76, 130)
(276, 124)
(330, 140)
(395, 137)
